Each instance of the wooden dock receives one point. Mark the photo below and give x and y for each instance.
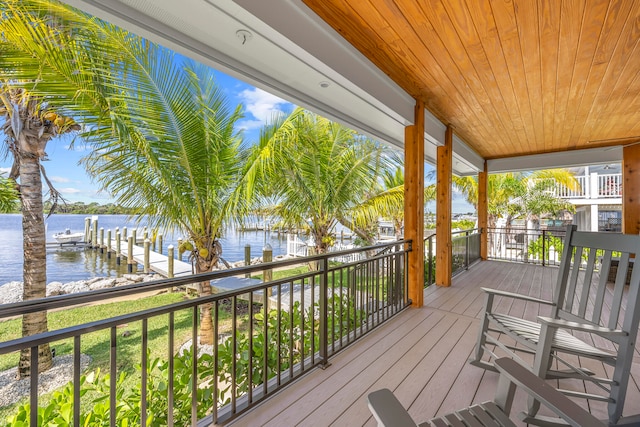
(158, 263)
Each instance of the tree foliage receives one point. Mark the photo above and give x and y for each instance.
(519, 194)
(8, 195)
(313, 172)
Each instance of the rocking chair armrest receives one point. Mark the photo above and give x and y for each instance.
(517, 296)
(387, 410)
(545, 393)
(584, 327)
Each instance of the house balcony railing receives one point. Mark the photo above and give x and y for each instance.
(518, 244)
(286, 328)
(465, 250)
(594, 186)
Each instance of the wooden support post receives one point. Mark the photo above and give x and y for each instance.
(267, 256)
(631, 189)
(147, 247)
(94, 234)
(443, 210)
(109, 244)
(87, 230)
(180, 249)
(101, 240)
(267, 275)
(118, 247)
(134, 234)
(483, 212)
(414, 204)
(145, 233)
(170, 256)
(247, 257)
(124, 233)
(160, 243)
(130, 260)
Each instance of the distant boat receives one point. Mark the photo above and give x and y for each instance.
(68, 237)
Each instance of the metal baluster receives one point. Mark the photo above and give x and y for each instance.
(143, 385)
(194, 367)
(76, 381)
(171, 369)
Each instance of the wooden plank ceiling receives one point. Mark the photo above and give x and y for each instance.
(513, 77)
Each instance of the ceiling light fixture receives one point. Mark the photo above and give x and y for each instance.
(324, 84)
(244, 36)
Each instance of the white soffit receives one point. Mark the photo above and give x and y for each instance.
(564, 159)
(465, 160)
(292, 54)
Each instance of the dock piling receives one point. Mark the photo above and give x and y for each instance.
(180, 249)
(160, 244)
(118, 251)
(109, 244)
(94, 234)
(130, 260)
(147, 244)
(87, 229)
(170, 261)
(101, 240)
(267, 275)
(247, 257)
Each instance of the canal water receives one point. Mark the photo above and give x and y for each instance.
(69, 263)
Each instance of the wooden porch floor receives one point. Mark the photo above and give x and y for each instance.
(421, 355)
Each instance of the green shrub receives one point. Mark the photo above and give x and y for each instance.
(535, 247)
(58, 411)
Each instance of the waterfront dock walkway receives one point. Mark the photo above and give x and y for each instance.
(158, 263)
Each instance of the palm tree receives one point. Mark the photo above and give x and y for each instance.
(43, 86)
(388, 201)
(29, 125)
(518, 193)
(315, 170)
(179, 160)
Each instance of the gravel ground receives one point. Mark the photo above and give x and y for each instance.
(12, 389)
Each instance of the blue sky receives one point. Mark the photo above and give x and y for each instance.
(70, 178)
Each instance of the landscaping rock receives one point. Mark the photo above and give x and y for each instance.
(11, 292)
(54, 288)
(102, 284)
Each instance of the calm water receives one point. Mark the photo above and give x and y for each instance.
(75, 263)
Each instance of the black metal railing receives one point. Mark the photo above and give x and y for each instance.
(465, 250)
(276, 332)
(519, 244)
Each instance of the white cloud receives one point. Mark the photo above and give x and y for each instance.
(5, 171)
(69, 190)
(260, 106)
(59, 179)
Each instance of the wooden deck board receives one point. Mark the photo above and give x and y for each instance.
(422, 356)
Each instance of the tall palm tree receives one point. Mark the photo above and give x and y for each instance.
(28, 126)
(47, 78)
(167, 146)
(315, 170)
(58, 66)
(179, 159)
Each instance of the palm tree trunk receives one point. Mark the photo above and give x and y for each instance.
(34, 269)
(206, 315)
